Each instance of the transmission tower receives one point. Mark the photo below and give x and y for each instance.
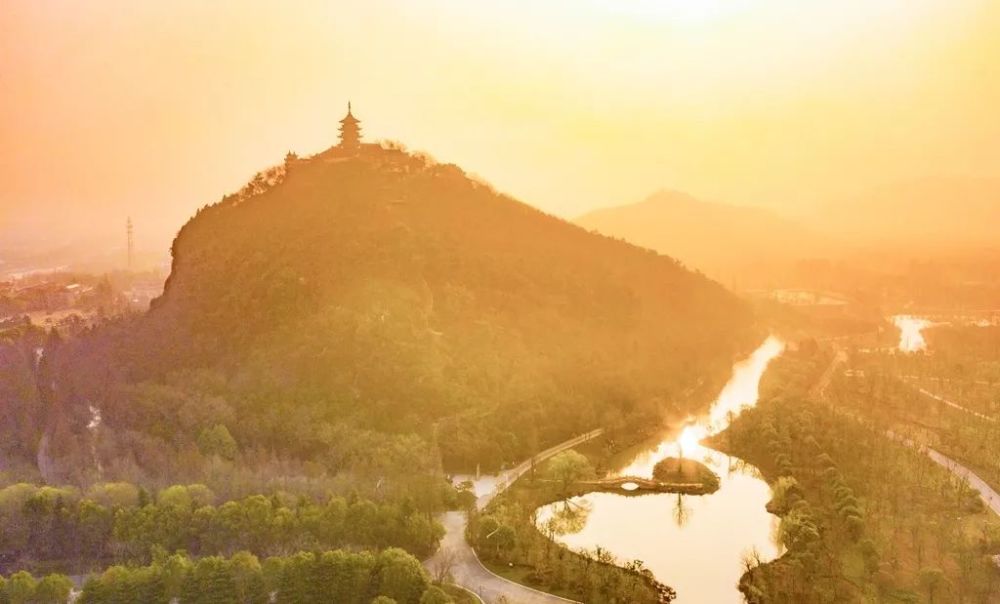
(131, 242)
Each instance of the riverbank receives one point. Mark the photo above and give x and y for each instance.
(863, 516)
(511, 545)
(707, 561)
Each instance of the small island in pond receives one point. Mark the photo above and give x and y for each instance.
(671, 475)
(688, 472)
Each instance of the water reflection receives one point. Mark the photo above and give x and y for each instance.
(695, 544)
(911, 337)
(682, 512)
(568, 517)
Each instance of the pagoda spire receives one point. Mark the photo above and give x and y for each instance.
(350, 131)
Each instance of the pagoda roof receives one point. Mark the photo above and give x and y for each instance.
(349, 118)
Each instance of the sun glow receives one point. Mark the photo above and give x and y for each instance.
(688, 441)
(911, 338)
(740, 392)
(687, 12)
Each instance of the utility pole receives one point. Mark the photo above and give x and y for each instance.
(131, 242)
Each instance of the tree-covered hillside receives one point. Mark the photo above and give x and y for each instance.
(332, 308)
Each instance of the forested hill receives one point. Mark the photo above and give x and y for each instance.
(393, 295)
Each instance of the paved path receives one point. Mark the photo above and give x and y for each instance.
(468, 572)
(989, 496)
(819, 388)
(457, 555)
(948, 380)
(505, 479)
(953, 404)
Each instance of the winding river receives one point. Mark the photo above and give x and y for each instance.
(695, 544)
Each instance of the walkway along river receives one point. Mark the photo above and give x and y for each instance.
(460, 559)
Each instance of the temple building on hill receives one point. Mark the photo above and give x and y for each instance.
(350, 145)
(350, 148)
(350, 131)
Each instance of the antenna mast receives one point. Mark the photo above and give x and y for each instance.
(131, 242)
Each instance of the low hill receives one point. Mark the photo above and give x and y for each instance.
(724, 241)
(337, 299)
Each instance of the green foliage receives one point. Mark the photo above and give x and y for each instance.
(435, 595)
(568, 467)
(862, 516)
(217, 441)
(686, 471)
(23, 588)
(184, 519)
(297, 308)
(53, 589)
(114, 494)
(20, 588)
(303, 578)
(400, 576)
(506, 537)
(183, 497)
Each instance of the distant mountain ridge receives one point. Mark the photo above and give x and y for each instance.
(716, 238)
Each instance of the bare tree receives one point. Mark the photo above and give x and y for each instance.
(443, 563)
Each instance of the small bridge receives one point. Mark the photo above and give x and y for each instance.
(636, 484)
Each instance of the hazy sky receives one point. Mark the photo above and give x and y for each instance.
(110, 108)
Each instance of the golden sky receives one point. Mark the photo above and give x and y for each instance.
(117, 107)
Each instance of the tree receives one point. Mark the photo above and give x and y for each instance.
(185, 497)
(247, 578)
(435, 595)
(401, 576)
(443, 563)
(568, 467)
(211, 582)
(53, 589)
(114, 494)
(217, 441)
(20, 588)
(932, 580)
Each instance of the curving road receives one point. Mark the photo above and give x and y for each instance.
(457, 556)
(953, 404)
(989, 496)
(467, 571)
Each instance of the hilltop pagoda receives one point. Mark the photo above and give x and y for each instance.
(350, 132)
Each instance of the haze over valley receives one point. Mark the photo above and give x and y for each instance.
(629, 302)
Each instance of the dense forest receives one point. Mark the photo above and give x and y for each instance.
(391, 576)
(863, 517)
(122, 523)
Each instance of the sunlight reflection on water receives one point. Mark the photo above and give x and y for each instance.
(911, 337)
(695, 544)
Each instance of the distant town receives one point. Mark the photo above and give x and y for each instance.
(69, 302)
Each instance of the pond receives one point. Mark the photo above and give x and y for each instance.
(696, 544)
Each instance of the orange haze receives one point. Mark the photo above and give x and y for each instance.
(116, 107)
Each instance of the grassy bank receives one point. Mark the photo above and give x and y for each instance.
(510, 544)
